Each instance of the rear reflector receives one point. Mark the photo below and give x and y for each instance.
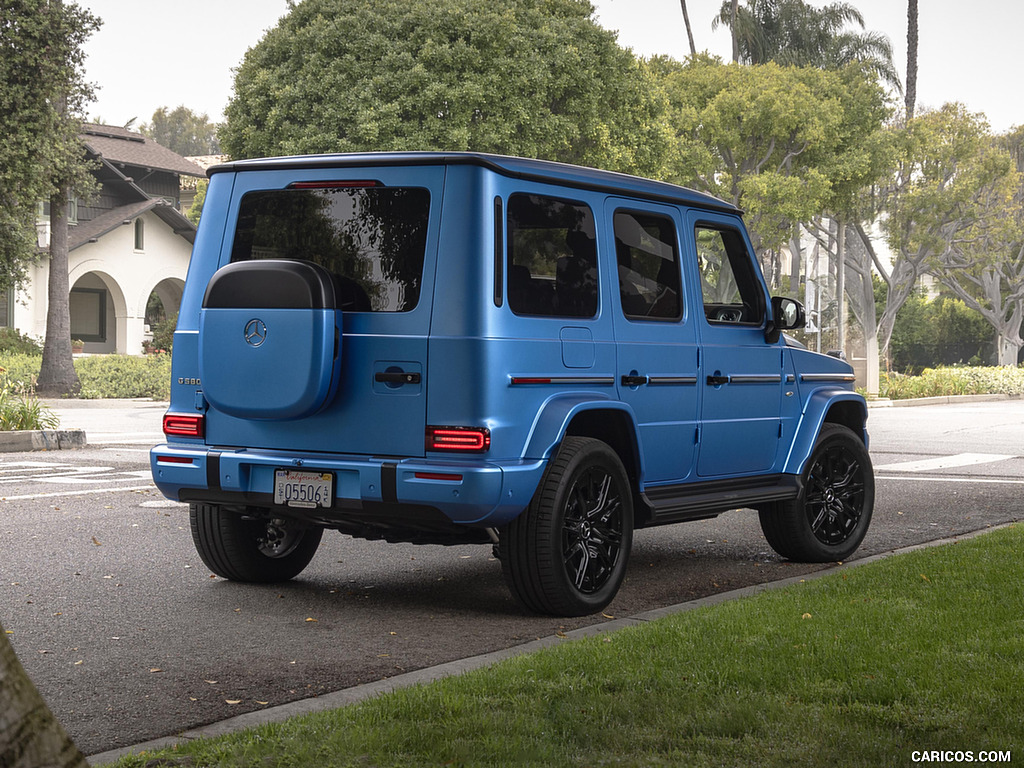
(458, 439)
(333, 184)
(184, 425)
(438, 476)
(173, 459)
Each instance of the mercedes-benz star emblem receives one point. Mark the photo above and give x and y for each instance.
(255, 332)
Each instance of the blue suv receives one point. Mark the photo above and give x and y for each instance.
(457, 348)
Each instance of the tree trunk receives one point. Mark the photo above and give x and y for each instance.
(841, 284)
(689, 29)
(860, 290)
(30, 736)
(735, 35)
(911, 90)
(1009, 349)
(796, 257)
(57, 376)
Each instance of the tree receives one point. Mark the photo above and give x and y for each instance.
(30, 736)
(937, 197)
(984, 264)
(537, 78)
(794, 32)
(43, 97)
(782, 143)
(911, 92)
(40, 62)
(183, 131)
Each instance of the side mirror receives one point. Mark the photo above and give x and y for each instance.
(787, 314)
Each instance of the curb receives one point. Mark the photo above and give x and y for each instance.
(911, 402)
(358, 693)
(41, 440)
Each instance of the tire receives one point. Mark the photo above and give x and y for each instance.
(566, 554)
(829, 519)
(248, 549)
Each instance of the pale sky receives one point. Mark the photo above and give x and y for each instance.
(153, 54)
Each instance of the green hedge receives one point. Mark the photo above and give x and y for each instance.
(955, 380)
(102, 376)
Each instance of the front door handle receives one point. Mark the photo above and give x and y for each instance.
(717, 380)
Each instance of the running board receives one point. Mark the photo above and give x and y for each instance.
(695, 501)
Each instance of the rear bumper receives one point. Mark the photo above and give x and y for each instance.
(476, 493)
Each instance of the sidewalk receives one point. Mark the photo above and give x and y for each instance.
(134, 421)
(911, 402)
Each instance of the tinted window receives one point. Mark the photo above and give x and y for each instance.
(372, 239)
(731, 291)
(552, 257)
(648, 261)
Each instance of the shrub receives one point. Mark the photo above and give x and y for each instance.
(18, 372)
(12, 341)
(125, 376)
(24, 413)
(101, 375)
(163, 334)
(958, 380)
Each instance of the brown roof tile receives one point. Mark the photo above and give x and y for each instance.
(119, 145)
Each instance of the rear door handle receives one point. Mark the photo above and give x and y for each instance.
(396, 377)
(717, 380)
(631, 380)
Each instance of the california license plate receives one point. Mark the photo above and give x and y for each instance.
(308, 490)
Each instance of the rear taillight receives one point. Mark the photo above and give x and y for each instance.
(184, 425)
(459, 439)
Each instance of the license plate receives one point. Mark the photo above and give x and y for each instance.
(308, 490)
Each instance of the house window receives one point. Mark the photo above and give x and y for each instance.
(88, 314)
(7, 308)
(140, 235)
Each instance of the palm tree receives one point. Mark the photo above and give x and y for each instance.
(689, 30)
(911, 94)
(795, 33)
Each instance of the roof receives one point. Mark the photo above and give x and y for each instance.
(93, 230)
(121, 146)
(516, 167)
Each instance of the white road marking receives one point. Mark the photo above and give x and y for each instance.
(30, 496)
(944, 462)
(934, 479)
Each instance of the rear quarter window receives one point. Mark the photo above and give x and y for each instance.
(552, 257)
(372, 239)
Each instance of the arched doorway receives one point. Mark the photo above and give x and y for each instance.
(162, 312)
(97, 312)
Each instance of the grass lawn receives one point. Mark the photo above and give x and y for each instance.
(865, 667)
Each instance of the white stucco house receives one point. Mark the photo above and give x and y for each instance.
(129, 247)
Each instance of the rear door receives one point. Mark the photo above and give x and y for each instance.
(655, 336)
(374, 230)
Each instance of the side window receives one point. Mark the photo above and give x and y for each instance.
(731, 291)
(648, 261)
(552, 257)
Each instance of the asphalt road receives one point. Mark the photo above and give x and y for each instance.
(129, 637)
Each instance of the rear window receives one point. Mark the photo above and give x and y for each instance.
(373, 239)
